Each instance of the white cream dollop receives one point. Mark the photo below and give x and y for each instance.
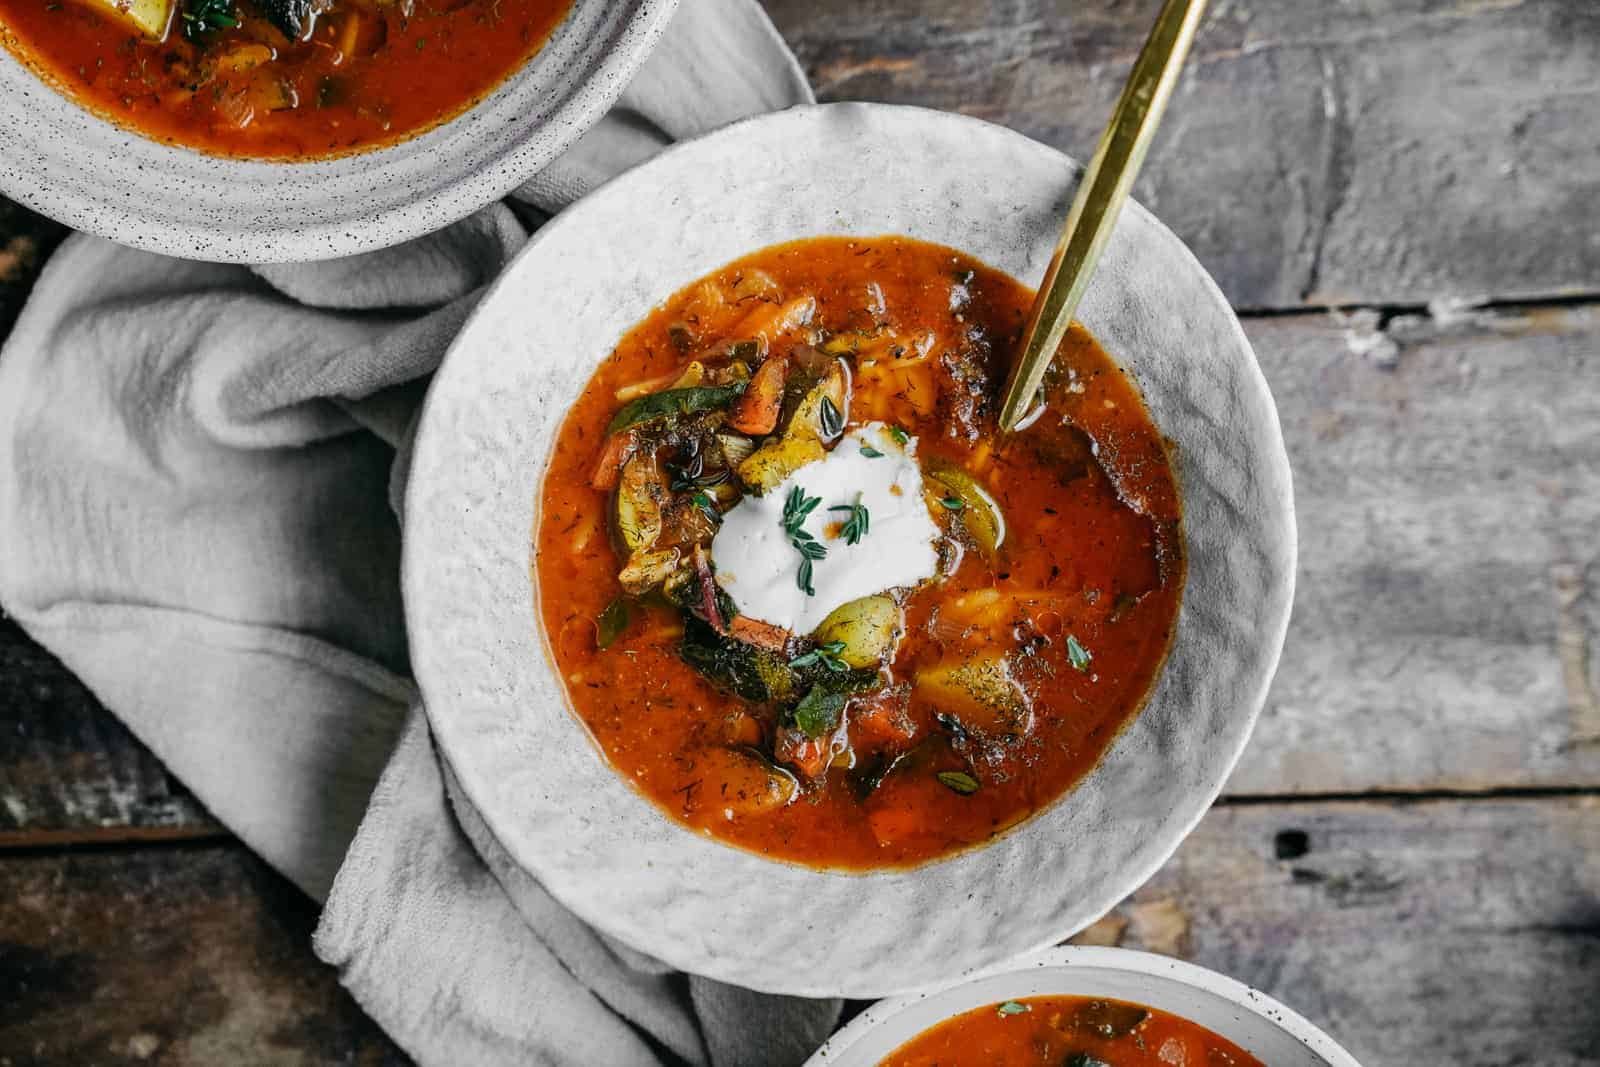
(758, 566)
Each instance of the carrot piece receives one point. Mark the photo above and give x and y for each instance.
(608, 469)
(760, 634)
(808, 756)
(893, 823)
(756, 412)
(883, 716)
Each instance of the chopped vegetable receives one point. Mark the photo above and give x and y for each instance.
(818, 711)
(867, 630)
(151, 17)
(1110, 1018)
(646, 570)
(608, 468)
(612, 623)
(812, 419)
(744, 670)
(980, 692)
(641, 492)
(963, 783)
(735, 448)
(749, 785)
(756, 412)
(776, 460)
(674, 403)
(980, 512)
(760, 634)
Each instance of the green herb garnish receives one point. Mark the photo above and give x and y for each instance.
(958, 782)
(899, 435)
(825, 656)
(831, 420)
(855, 527)
(201, 17)
(612, 623)
(1012, 1007)
(870, 452)
(954, 503)
(796, 508)
(1077, 654)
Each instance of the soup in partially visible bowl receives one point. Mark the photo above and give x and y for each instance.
(277, 79)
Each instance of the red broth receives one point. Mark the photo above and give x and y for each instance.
(1073, 614)
(360, 74)
(1069, 1032)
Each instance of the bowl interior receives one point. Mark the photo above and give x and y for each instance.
(72, 165)
(500, 713)
(1253, 1021)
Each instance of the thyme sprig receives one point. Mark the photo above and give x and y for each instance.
(797, 507)
(855, 527)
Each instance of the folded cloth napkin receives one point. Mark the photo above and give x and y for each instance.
(195, 462)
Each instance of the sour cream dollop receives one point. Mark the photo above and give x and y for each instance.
(759, 567)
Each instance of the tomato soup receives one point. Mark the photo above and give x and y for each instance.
(804, 596)
(277, 79)
(1069, 1032)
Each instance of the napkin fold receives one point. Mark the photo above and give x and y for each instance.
(196, 468)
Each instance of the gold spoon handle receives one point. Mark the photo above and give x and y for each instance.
(1099, 201)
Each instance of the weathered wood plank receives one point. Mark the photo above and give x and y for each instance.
(1380, 151)
(1457, 934)
(191, 956)
(1447, 626)
(1446, 629)
(69, 769)
(1441, 934)
(26, 240)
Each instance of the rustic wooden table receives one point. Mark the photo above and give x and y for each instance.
(1400, 196)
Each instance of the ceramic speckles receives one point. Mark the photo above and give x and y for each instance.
(499, 710)
(67, 163)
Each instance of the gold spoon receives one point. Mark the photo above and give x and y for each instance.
(1099, 201)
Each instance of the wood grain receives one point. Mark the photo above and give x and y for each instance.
(1446, 628)
(69, 770)
(1455, 933)
(1387, 151)
(172, 956)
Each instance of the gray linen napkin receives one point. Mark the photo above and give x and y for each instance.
(195, 461)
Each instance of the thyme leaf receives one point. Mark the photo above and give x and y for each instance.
(1077, 654)
(855, 527)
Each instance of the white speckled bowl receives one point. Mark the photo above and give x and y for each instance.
(1255, 1022)
(71, 165)
(499, 710)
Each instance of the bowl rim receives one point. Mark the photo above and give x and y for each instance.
(1104, 957)
(1176, 827)
(583, 101)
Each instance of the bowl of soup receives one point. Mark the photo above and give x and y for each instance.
(751, 636)
(1085, 1007)
(288, 130)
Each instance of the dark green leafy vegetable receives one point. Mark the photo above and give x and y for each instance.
(1077, 654)
(744, 670)
(958, 782)
(1012, 1007)
(201, 17)
(673, 403)
(613, 621)
(855, 527)
(819, 710)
